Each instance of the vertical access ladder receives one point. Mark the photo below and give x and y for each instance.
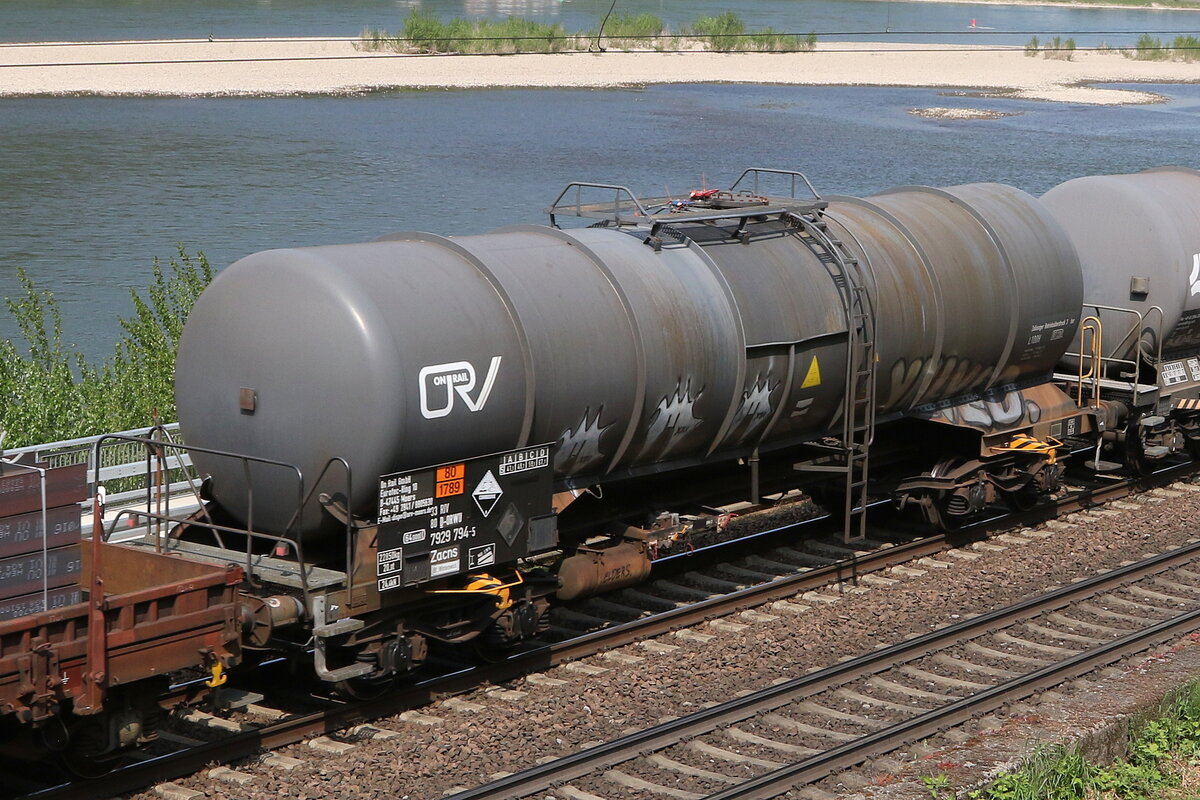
(858, 417)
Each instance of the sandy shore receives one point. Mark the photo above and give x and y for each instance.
(301, 66)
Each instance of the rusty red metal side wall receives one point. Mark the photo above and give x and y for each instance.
(162, 614)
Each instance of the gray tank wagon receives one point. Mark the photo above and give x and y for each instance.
(641, 346)
(1138, 239)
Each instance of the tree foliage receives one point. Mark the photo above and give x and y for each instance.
(49, 391)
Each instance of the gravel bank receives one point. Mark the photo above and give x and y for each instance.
(311, 66)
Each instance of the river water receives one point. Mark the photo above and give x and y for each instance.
(92, 189)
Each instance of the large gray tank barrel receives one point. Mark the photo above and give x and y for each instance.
(974, 288)
(419, 349)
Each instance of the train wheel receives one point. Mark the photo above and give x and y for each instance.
(1023, 499)
(391, 660)
(490, 649)
(1192, 445)
(1135, 452)
(937, 512)
(78, 747)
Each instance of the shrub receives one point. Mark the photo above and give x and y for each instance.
(373, 39)
(50, 392)
(425, 33)
(721, 33)
(767, 39)
(1150, 49)
(1157, 749)
(632, 29)
(1186, 48)
(1058, 48)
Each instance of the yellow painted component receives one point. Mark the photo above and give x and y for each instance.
(489, 585)
(813, 378)
(486, 584)
(218, 676)
(1024, 443)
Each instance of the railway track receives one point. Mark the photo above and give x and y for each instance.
(604, 634)
(797, 732)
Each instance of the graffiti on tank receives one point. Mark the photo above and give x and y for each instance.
(955, 376)
(995, 411)
(756, 402)
(1186, 332)
(579, 447)
(673, 419)
(755, 410)
(905, 380)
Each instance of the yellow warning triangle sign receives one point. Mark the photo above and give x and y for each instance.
(813, 378)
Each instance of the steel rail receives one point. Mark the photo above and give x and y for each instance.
(589, 761)
(851, 754)
(296, 729)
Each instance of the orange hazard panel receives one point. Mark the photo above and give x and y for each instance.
(453, 472)
(450, 488)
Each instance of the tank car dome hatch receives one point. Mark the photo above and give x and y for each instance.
(1138, 237)
(418, 349)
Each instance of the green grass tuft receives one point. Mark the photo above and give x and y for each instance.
(1159, 747)
(1186, 48)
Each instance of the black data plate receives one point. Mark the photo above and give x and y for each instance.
(465, 517)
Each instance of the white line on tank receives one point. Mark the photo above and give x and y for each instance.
(1194, 278)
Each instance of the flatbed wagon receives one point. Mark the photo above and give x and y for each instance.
(86, 664)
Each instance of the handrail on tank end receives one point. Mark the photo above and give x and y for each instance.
(1138, 326)
(790, 173)
(623, 197)
(595, 210)
(298, 515)
(155, 450)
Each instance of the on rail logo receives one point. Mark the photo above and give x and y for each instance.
(441, 383)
